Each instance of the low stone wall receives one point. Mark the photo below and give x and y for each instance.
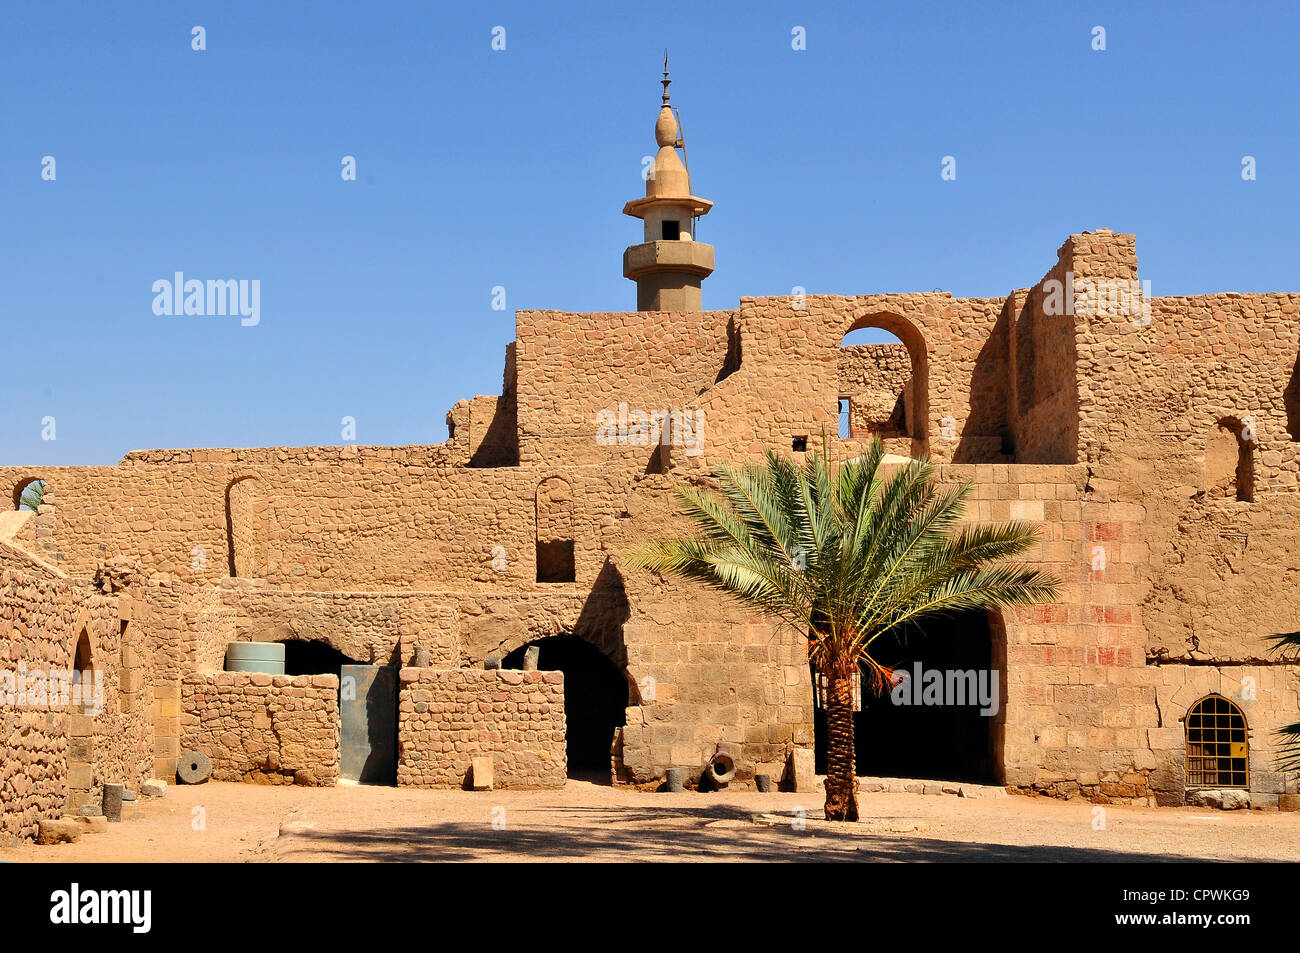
(268, 729)
(449, 717)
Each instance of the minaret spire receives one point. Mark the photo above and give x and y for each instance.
(669, 265)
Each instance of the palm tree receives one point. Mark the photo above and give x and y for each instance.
(1289, 746)
(845, 556)
(31, 497)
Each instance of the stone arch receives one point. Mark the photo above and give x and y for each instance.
(246, 528)
(21, 487)
(916, 394)
(1218, 744)
(597, 692)
(81, 726)
(1229, 470)
(555, 556)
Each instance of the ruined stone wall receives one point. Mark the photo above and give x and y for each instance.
(572, 366)
(379, 525)
(57, 756)
(269, 729)
(447, 718)
(787, 384)
(1043, 411)
(875, 378)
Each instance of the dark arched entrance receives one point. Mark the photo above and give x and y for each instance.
(595, 700)
(941, 722)
(314, 657)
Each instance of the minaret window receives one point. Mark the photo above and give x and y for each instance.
(672, 230)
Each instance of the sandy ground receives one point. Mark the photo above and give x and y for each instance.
(244, 822)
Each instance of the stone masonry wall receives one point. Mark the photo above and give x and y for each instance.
(381, 524)
(448, 717)
(269, 729)
(57, 756)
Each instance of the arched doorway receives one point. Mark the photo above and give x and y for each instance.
(595, 700)
(942, 720)
(82, 709)
(883, 378)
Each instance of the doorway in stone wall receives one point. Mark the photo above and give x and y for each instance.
(367, 708)
(81, 726)
(595, 701)
(943, 720)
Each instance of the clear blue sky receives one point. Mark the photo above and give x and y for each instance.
(479, 168)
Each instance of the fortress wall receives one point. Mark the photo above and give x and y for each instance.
(370, 628)
(1043, 413)
(572, 366)
(374, 524)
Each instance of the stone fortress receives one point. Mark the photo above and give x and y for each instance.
(1155, 442)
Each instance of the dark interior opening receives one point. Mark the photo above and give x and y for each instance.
(314, 658)
(595, 700)
(940, 742)
(672, 230)
(555, 561)
(799, 444)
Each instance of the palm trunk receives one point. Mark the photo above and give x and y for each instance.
(841, 769)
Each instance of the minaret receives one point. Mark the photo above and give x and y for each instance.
(669, 265)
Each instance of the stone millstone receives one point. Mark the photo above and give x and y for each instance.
(194, 767)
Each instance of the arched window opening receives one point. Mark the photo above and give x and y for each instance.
(555, 548)
(29, 495)
(874, 371)
(883, 382)
(83, 683)
(1217, 746)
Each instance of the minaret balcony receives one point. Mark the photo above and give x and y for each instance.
(694, 258)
